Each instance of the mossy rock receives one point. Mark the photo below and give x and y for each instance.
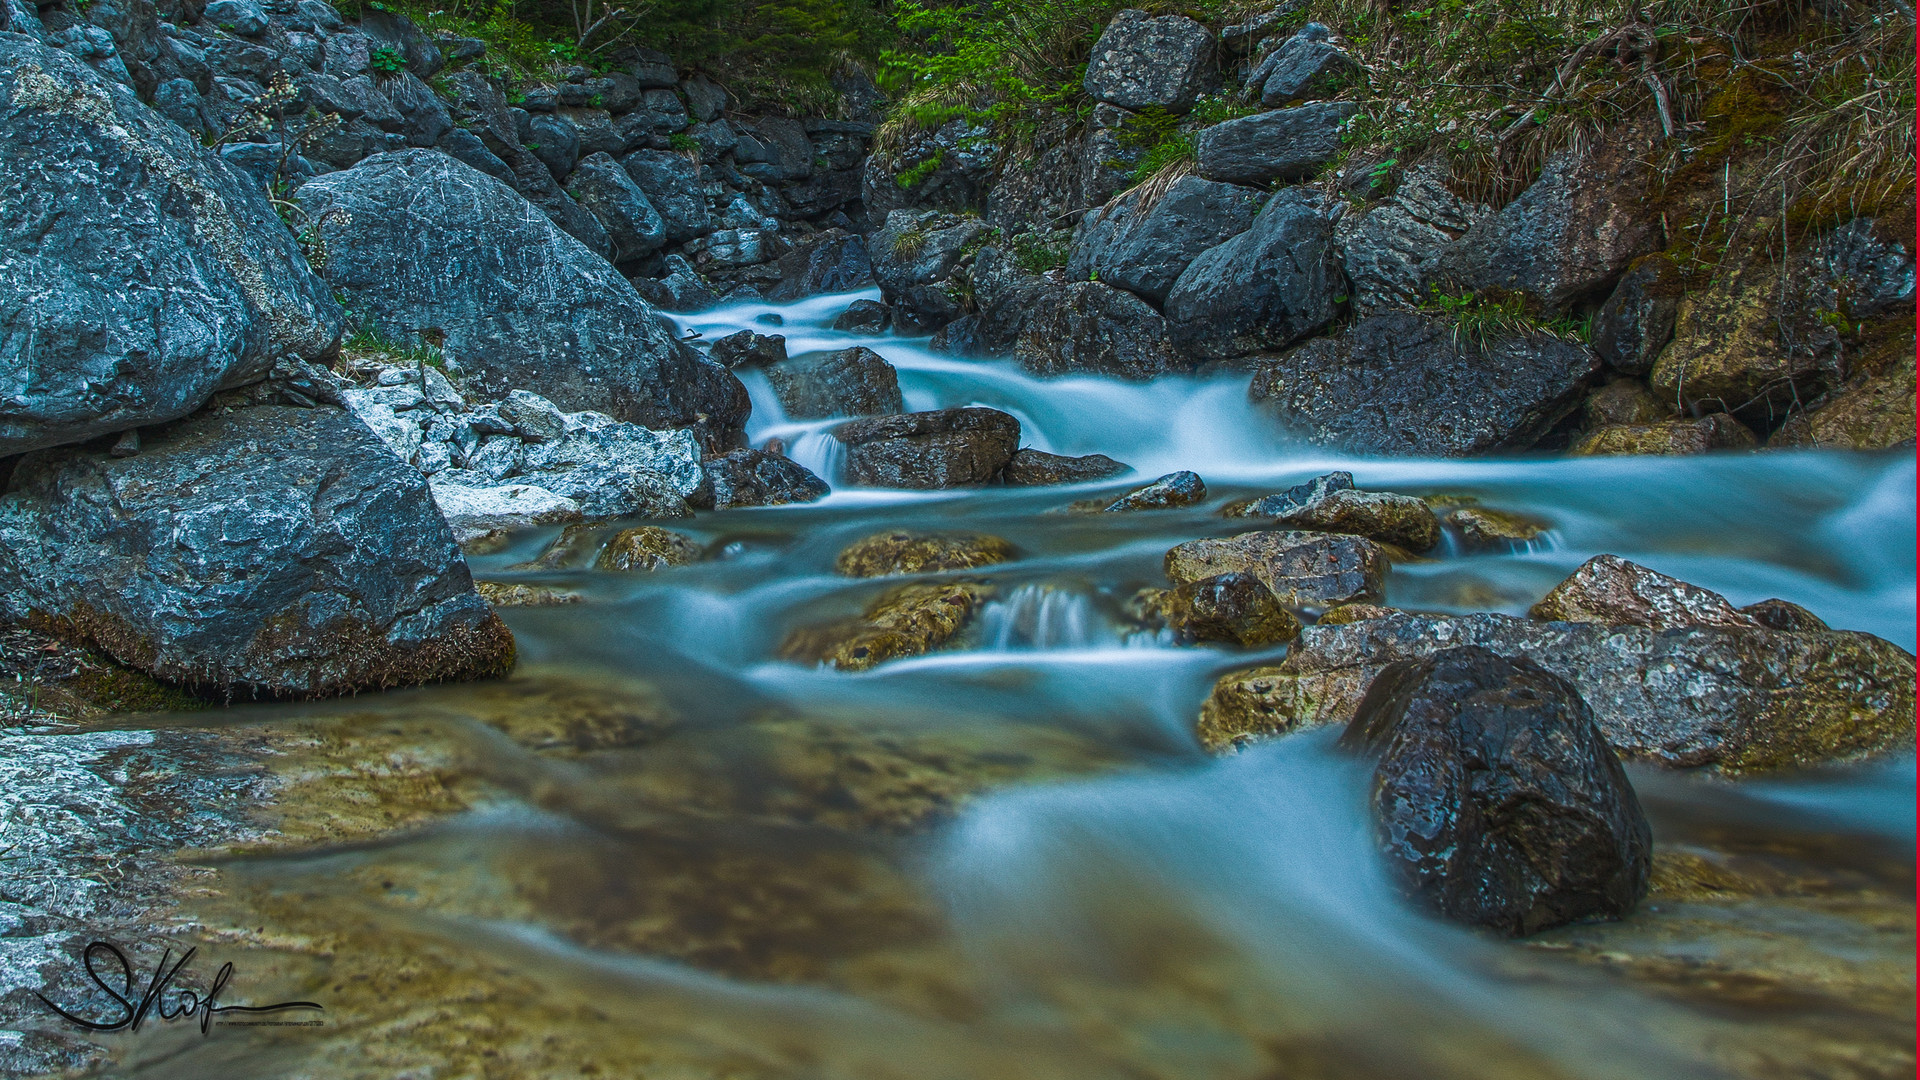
(1876, 413)
(571, 548)
(1353, 613)
(888, 553)
(648, 547)
(907, 621)
(1232, 608)
(1667, 438)
(1484, 528)
(1625, 401)
(519, 594)
(1727, 354)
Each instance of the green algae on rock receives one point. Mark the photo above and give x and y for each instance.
(1233, 608)
(906, 621)
(648, 547)
(898, 552)
(1718, 431)
(521, 594)
(1734, 699)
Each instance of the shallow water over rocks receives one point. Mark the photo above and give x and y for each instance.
(659, 850)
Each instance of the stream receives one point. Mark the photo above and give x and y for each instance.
(686, 857)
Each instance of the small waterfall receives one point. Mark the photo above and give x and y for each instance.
(1042, 617)
(821, 453)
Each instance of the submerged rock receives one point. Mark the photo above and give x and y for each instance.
(1331, 503)
(432, 250)
(520, 594)
(138, 273)
(941, 449)
(1667, 437)
(749, 477)
(1608, 589)
(888, 553)
(908, 621)
(864, 317)
(1302, 570)
(1169, 492)
(746, 349)
(648, 547)
(851, 382)
(1233, 607)
(1495, 799)
(266, 550)
(1482, 528)
(1404, 383)
(1037, 468)
(1732, 698)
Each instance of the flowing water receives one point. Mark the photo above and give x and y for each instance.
(663, 851)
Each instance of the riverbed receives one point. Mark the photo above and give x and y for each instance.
(661, 850)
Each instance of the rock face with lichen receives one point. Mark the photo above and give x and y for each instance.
(1735, 699)
(1331, 503)
(265, 550)
(1495, 798)
(906, 621)
(138, 273)
(1301, 569)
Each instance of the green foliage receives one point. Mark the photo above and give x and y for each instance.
(684, 143)
(1488, 318)
(1039, 252)
(912, 177)
(910, 243)
(366, 342)
(387, 60)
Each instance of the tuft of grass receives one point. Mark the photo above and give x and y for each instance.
(1484, 319)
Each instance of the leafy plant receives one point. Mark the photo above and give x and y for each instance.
(1488, 318)
(684, 143)
(912, 177)
(387, 60)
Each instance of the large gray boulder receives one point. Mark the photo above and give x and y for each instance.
(428, 247)
(265, 550)
(1141, 61)
(1285, 145)
(929, 450)
(1143, 247)
(1567, 238)
(634, 228)
(1089, 328)
(1392, 249)
(1266, 288)
(1403, 383)
(483, 114)
(138, 272)
(1733, 698)
(850, 382)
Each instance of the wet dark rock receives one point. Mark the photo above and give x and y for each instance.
(1266, 288)
(1875, 412)
(1391, 249)
(556, 142)
(748, 477)
(851, 382)
(1733, 698)
(1169, 492)
(1668, 437)
(830, 263)
(1234, 608)
(1143, 248)
(1624, 402)
(705, 98)
(907, 621)
(1567, 238)
(648, 547)
(1610, 590)
(1037, 468)
(1330, 503)
(1285, 145)
(1306, 65)
(913, 250)
(271, 550)
(1495, 798)
(1302, 570)
(941, 449)
(430, 247)
(1090, 328)
(1141, 61)
(634, 227)
(138, 273)
(1636, 322)
(1783, 615)
(865, 317)
(672, 183)
(1107, 159)
(1403, 383)
(746, 349)
(680, 289)
(899, 552)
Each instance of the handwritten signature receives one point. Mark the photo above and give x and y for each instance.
(160, 998)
